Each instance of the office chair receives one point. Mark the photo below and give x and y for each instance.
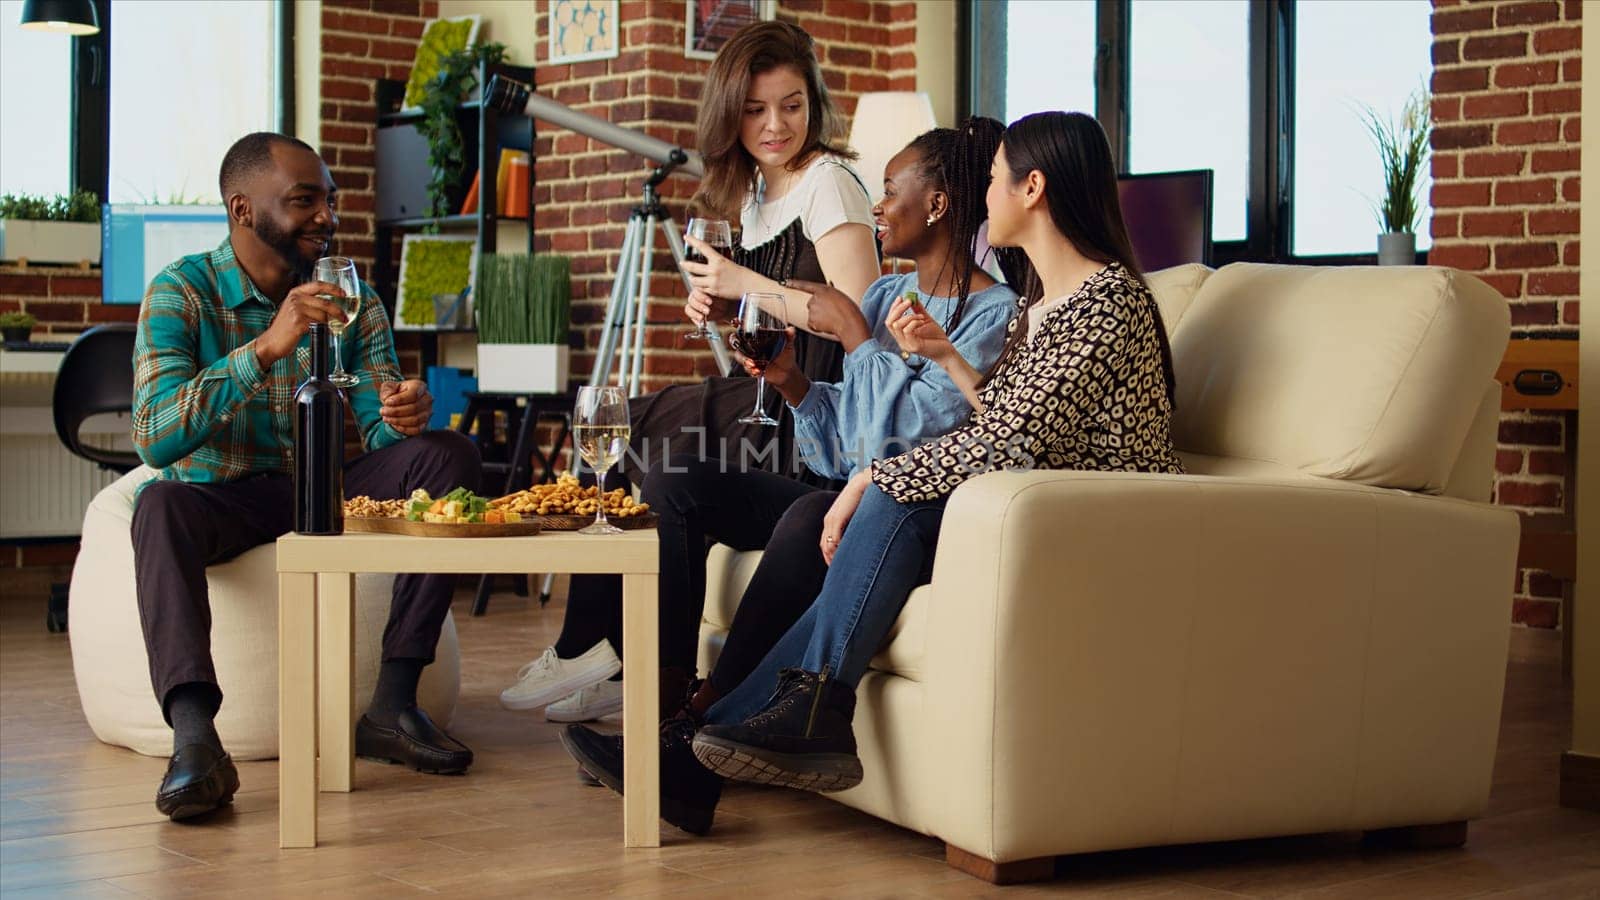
(96, 377)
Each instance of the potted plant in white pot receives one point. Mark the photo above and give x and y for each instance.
(523, 305)
(58, 229)
(1403, 150)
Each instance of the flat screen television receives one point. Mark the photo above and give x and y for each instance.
(1168, 215)
(138, 241)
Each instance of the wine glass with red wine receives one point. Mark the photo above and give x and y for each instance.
(759, 334)
(716, 233)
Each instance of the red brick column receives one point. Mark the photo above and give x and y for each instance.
(1506, 196)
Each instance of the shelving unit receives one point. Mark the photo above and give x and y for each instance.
(485, 132)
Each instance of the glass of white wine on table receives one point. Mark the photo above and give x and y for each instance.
(600, 432)
(340, 271)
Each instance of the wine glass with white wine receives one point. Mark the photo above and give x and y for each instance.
(341, 271)
(600, 433)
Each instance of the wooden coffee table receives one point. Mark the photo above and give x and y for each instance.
(316, 652)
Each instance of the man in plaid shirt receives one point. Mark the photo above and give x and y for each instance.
(222, 346)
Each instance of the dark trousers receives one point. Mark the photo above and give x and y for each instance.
(705, 502)
(180, 528)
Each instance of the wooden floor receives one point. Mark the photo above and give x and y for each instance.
(77, 818)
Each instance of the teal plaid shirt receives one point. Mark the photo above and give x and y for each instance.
(203, 408)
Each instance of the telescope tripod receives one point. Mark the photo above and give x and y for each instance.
(622, 334)
(623, 331)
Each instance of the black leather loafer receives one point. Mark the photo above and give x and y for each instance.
(414, 741)
(199, 779)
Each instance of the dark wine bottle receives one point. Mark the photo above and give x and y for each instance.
(318, 446)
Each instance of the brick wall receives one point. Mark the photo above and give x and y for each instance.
(1506, 196)
(362, 41)
(65, 300)
(583, 190)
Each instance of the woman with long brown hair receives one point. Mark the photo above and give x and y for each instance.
(775, 165)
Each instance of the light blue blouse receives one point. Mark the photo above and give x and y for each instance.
(885, 404)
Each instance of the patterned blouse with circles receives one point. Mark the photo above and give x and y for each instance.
(1086, 392)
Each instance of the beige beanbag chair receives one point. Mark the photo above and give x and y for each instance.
(113, 674)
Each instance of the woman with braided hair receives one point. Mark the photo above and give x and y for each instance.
(886, 402)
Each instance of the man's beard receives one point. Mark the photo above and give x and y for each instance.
(286, 244)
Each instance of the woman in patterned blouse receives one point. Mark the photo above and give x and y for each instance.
(1084, 382)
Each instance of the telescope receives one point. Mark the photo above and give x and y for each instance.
(509, 96)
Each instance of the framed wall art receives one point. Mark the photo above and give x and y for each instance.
(709, 23)
(582, 30)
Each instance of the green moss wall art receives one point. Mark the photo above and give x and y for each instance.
(441, 38)
(432, 265)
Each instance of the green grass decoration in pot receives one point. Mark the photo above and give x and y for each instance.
(523, 299)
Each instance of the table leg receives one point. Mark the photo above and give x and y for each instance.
(297, 709)
(641, 750)
(335, 681)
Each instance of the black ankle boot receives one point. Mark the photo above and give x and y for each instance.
(801, 740)
(689, 793)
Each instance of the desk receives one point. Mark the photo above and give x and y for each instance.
(315, 653)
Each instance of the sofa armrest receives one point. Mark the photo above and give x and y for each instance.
(1120, 659)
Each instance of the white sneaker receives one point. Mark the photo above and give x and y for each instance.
(599, 699)
(550, 677)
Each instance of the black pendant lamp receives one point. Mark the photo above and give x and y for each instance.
(74, 17)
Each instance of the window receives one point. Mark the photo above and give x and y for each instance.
(1189, 98)
(176, 105)
(1337, 176)
(1265, 93)
(36, 95)
(1049, 60)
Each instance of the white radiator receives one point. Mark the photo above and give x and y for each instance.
(44, 489)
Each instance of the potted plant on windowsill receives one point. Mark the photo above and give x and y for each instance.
(523, 306)
(58, 229)
(16, 326)
(1403, 150)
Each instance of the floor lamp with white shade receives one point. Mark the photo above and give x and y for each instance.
(885, 122)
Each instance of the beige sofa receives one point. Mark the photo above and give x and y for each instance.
(1307, 633)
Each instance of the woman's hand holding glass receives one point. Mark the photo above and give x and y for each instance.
(714, 233)
(718, 276)
(781, 372)
(916, 332)
(701, 307)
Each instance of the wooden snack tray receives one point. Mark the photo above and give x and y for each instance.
(376, 525)
(573, 523)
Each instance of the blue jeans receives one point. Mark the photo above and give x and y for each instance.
(886, 552)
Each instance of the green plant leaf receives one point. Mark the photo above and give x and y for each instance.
(1403, 150)
(523, 299)
(456, 75)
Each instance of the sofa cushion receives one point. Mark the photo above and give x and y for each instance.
(1174, 290)
(1360, 373)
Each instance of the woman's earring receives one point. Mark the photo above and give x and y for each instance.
(932, 219)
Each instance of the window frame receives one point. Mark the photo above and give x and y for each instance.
(1269, 219)
(90, 139)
